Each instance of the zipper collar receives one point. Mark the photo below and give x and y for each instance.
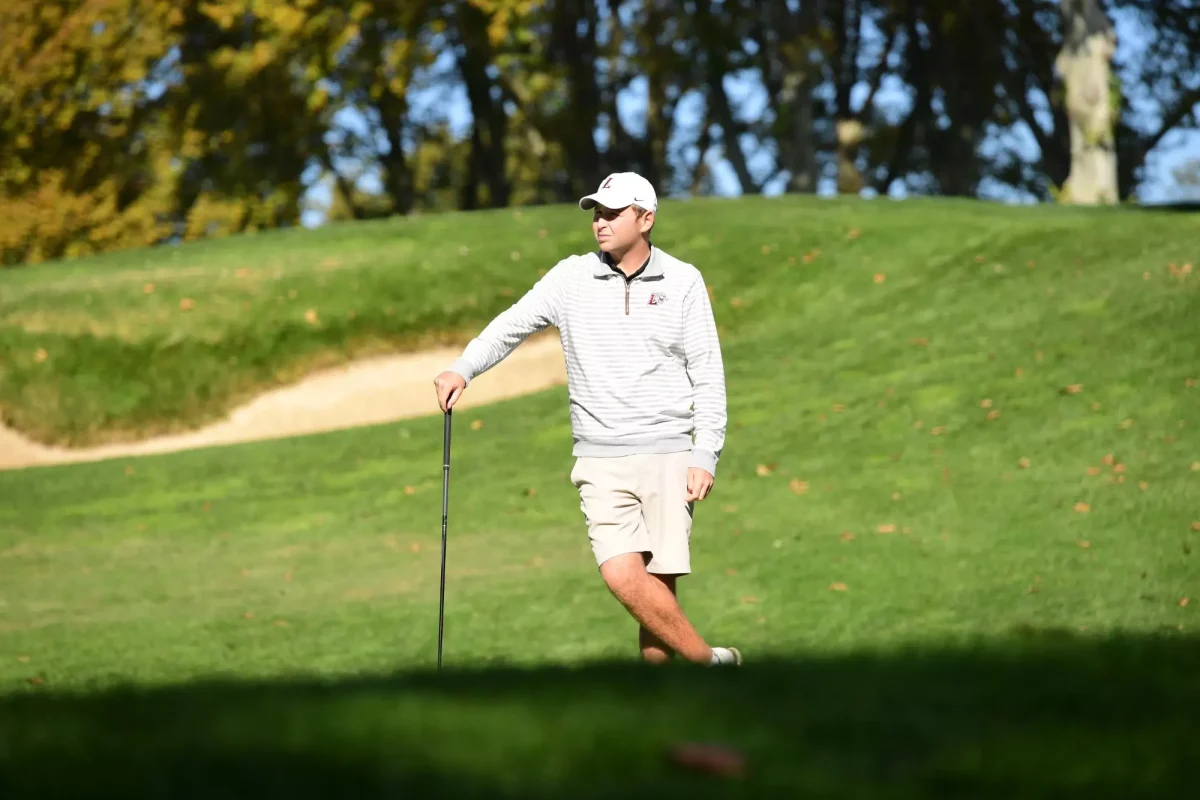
(650, 268)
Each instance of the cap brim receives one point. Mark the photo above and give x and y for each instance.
(606, 199)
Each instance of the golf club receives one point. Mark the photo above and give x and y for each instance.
(445, 511)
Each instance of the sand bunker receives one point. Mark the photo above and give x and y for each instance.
(367, 392)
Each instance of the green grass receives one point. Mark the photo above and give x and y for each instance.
(262, 618)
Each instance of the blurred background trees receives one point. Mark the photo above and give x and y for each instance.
(131, 122)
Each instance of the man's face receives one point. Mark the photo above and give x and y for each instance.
(619, 229)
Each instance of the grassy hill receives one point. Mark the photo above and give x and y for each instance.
(954, 530)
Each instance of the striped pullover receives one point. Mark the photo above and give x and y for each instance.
(644, 366)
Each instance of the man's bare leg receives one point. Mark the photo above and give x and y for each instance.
(654, 650)
(654, 605)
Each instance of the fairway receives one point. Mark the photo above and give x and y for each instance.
(954, 530)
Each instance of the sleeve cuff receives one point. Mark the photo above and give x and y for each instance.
(704, 460)
(462, 368)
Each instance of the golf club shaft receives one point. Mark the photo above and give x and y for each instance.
(445, 514)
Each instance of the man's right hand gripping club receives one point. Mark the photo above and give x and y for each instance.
(450, 386)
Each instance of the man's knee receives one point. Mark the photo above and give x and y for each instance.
(622, 574)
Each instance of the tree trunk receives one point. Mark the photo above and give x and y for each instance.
(489, 123)
(1084, 63)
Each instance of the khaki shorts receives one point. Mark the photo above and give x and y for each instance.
(637, 504)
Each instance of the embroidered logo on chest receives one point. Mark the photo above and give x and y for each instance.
(657, 298)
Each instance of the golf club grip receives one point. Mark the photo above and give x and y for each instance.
(446, 440)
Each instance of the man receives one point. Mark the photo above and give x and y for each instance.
(644, 372)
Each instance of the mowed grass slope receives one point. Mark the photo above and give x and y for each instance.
(954, 530)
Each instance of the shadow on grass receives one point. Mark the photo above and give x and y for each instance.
(1045, 715)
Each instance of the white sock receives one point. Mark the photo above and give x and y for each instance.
(722, 655)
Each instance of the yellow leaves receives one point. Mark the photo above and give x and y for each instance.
(311, 316)
(880, 277)
(40, 356)
(887, 527)
(846, 536)
(1183, 602)
(1082, 507)
(186, 304)
(798, 486)
(763, 470)
(1084, 544)
(1074, 388)
(1023, 463)
(838, 586)
(224, 14)
(476, 424)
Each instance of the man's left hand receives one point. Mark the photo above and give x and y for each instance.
(699, 483)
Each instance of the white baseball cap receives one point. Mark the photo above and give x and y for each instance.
(621, 189)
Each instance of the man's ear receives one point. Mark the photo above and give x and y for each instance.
(647, 221)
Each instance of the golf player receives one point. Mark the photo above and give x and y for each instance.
(644, 374)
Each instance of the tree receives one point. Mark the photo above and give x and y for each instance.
(1085, 65)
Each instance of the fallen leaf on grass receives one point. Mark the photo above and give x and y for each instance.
(1196, 526)
(186, 304)
(918, 425)
(36, 681)
(939, 430)
(1108, 458)
(23, 659)
(1023, 463)
(838, 408)
(896, 495)
(847, 536)
(709, 758)
(248, 615)
(1143, 485)
(985, 403)
(798, 486)
(1183, 602)
(880, 277)
(410, 490)
(853, 233)
(736, 302)
(887, 528)
(281, 623)
(762, 470)
(1196, 466)
(1084, 543)
(41, 355)
(129, 470)
(415, 547)
(1125, 424)
(728, 509)
(311, 317)
(1118, 468)
(920, 341)
(1093, 470)
(731, 571)
(1190, 383)
(1082, 508)
(476, 424)
(1074, 388)
(148, 288)
(287, 576)
(993, 414)
(837, 587)
(749, 599)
